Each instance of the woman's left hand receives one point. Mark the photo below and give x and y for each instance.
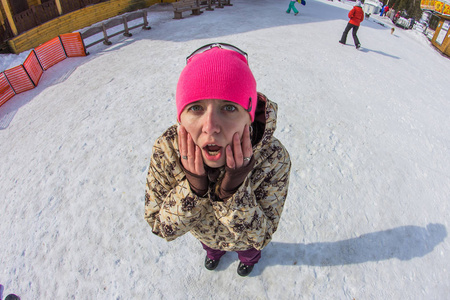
(240, 153)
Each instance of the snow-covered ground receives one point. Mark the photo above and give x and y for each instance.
(367, 214)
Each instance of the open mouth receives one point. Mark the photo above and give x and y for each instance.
(212, 149)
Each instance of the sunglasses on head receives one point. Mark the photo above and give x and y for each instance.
(218, 45)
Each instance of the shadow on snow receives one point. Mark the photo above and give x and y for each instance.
(403, 243)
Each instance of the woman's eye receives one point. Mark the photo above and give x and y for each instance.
(229, 107)
(195, 108)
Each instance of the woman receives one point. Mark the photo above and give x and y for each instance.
(219, 174)
(356, 16)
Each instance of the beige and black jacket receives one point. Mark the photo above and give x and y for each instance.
(247, 219)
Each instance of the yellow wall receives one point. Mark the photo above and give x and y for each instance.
(74, 21)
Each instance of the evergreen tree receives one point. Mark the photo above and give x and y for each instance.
(402, 5)
(412, 7)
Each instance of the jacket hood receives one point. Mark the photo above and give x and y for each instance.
(266, 120)
(266, 115)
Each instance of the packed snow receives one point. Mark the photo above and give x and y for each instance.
(367, 212)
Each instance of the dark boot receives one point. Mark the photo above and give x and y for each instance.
(211, 264)
(244, 270)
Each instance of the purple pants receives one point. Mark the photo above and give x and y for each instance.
(248, 257)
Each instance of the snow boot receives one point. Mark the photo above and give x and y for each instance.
(211, 264)
(244, 270)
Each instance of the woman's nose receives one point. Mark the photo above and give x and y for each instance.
(211, 122)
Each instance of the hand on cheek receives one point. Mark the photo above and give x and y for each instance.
(191, 154)
(239, 152)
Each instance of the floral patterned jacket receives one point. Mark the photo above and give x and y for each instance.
(247, 219)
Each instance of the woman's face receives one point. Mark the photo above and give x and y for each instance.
(212, 124)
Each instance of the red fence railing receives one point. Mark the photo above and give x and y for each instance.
(26, 76)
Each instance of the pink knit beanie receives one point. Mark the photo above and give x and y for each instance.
(217, 74)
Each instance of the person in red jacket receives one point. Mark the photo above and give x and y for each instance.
(356, 16)
(386, 9)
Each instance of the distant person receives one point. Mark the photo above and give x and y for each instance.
(412, 21)
(356, 16)
(219, 173)
(382, 11)
(386, 9)
(292, 7)
(397, 16)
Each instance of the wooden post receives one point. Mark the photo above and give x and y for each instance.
(2, 20)
(209, 5)
(9, 16)
(59, 7)
(125, 26)
(144, 15)
(105, 35)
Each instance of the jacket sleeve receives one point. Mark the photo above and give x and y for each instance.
(351, 13)
(171, 208)
(252, 214)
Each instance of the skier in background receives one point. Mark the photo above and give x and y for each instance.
(356, 16)
(292, 6)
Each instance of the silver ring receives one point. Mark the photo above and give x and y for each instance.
(184, 157)
(247, 158)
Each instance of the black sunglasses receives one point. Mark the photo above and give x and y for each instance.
(219, 45)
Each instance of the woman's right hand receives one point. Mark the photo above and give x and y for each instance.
(191, 154)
